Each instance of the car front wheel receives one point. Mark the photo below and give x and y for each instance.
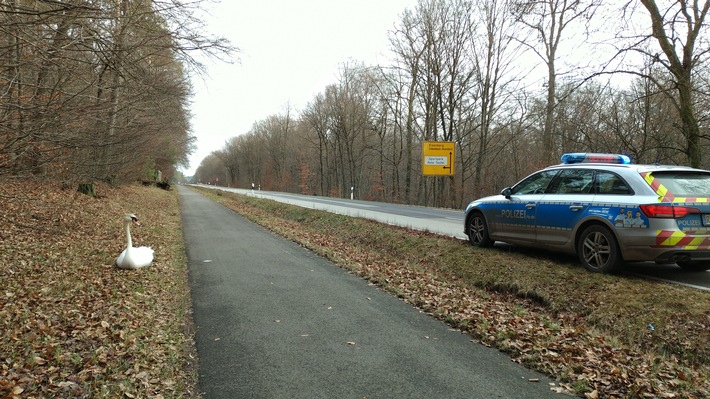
(478, 231)
(695, 265)
(597, 249)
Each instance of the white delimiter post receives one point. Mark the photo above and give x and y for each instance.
(352, 190)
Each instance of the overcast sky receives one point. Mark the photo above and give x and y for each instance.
(290, 51)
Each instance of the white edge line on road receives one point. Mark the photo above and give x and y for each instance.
(646, 277)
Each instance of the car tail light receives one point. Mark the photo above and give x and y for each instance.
(667, 211)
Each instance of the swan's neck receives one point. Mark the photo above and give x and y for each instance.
(128, 234)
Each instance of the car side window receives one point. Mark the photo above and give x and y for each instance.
(535, 184)
(573, 181)
(611, 183)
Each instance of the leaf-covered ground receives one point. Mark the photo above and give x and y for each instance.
(73, 325)
(601, 336)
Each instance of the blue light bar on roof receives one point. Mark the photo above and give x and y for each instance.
(589, 157)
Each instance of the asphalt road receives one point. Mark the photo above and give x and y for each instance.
(450, 222)
(273, 320)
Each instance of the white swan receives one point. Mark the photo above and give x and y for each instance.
(133, 258)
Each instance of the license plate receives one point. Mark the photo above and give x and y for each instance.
(706, 219)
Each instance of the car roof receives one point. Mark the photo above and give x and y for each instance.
(640, 168)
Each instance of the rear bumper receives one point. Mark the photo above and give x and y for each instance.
(665, 243)
(664, 254)
(683, 256)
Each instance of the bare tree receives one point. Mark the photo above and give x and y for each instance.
(678, 30)
(407, 42)
(317, 117)
(101, 90)
(277, 136)
(351, 107)
(494, 51)
(211, 170)
(549, 21)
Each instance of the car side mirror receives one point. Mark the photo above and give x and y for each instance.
(507, 192)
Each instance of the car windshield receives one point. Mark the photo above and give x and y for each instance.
(685, 184)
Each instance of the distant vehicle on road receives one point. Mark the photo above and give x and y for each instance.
(605, 209)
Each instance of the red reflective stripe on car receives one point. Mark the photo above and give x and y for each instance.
(658, 188)
(678, 239)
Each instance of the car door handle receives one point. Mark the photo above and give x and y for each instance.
(576, 208)
(530, 206)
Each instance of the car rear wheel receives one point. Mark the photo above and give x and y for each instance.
(597, 250)
(695, 265)
(478, 231)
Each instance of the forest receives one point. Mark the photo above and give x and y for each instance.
(99, 90)
(513, 84)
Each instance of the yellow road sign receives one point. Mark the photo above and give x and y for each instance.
(438, 158)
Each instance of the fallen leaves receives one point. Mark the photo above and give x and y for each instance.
(73, 327)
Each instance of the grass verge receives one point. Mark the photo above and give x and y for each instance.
(75, 326)
(599, 335)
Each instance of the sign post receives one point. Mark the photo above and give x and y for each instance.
(438, 158)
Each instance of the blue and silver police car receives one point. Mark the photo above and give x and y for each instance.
(605, 209)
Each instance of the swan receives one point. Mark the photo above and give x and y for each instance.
(133, 258)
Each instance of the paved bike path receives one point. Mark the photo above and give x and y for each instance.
(273, 320)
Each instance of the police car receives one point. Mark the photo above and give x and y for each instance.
(605, 209)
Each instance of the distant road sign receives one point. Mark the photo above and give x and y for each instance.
(438, 158)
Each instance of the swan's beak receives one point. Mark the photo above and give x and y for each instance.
(137, 223)
(134, 219)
